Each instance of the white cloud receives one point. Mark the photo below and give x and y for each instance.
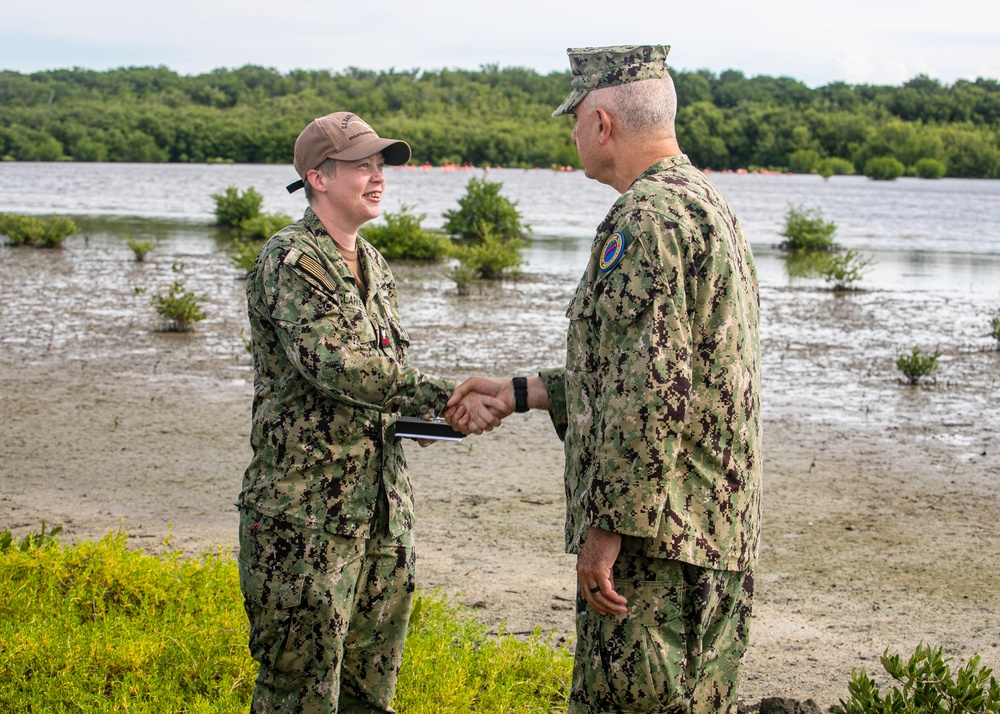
(817, 41)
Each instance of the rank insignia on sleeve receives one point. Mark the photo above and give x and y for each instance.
(612, 251)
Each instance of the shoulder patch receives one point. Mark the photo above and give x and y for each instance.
(611, 253)
(312, 266)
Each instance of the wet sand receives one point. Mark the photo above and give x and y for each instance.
(881, 519)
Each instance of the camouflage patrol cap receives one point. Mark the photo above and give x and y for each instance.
(597, 67)
(342, 136)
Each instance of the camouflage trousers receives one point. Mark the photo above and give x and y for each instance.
(679, 648)
(328, 616)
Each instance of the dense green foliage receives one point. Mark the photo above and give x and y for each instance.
(482, 205)
(487, 116)
(97, 627)
(884, 168)
(40, 231)
(926, 684)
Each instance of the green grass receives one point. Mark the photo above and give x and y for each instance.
(97, 627)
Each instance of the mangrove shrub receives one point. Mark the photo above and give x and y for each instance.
(40, 231)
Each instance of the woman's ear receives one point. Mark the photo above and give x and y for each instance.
(317, 180)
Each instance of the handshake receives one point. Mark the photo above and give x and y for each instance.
(480, 403)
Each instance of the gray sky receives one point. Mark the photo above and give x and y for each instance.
(815, 41)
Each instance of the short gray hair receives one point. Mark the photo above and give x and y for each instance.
(643, 106)
(327, 168)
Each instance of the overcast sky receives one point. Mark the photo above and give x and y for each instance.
(815, 41)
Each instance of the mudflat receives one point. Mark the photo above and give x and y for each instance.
(881, 517)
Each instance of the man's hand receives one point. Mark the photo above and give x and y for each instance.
(594, 567)
(479, 403)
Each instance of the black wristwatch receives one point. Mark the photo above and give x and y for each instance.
(520, 394)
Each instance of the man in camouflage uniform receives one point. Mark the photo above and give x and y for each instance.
(659, 407)
(326, 555)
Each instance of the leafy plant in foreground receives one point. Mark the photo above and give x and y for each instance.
(996, 329)
(105, 628)
(42, 539)
(805, 229)
(917, 365)
(927, 686)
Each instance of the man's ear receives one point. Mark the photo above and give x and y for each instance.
(605, 125)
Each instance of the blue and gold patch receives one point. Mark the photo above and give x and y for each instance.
(611, 253)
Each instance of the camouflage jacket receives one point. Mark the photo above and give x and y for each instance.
(330, 377)
(659, 402)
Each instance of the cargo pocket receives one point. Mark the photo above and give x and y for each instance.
(270, 598)
(641, 662)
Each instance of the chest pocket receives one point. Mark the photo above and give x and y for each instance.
(582, 344)
(625, 292)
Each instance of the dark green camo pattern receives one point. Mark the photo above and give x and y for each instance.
(330, 376)
(659, 402)
(679, 649)
(597, 67)
(328, 615)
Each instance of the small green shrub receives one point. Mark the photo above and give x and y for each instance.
(917, 365)
(482, 205)
(834, 165)
(996, 328)
(930, 168)
(401, 237)
(140, 248)
(803, 161)
(884, 168)
(927, 685)
(463, 276)
(40, 231)
(180, 307)
(232, 208)
(491, 256)
(805, 229)
(842, 270)
(42, 539)
(263, 226)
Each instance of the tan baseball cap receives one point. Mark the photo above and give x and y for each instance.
(342, 136)
(597, 67)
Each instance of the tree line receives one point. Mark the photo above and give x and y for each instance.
(490, 116)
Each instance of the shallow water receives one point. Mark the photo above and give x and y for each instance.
(828, 358)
